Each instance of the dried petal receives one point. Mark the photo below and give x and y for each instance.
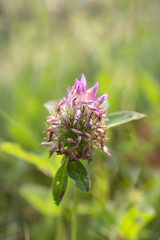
(78, 141)
(76, 131)
(70, 140)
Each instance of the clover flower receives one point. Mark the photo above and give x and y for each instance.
(77, 125)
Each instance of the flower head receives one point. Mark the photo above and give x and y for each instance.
(77, 124)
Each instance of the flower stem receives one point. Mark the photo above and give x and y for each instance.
(74, 217)
(59, 226)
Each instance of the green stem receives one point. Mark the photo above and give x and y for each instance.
(59, 226)
(74, 217)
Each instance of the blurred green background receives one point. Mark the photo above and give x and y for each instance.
(44, 46)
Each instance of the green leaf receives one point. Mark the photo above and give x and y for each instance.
(49, 106)
(60, 183)
(40, 198)
(46, 165)
(134, 220)
(122, 117)
(79, 174)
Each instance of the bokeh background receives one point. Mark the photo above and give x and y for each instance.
(44, 46)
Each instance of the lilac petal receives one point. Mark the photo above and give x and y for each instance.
(76, 85)
(46, 143)
(105, 149)
(91, 93)
(81, 86)
(92, 102)
(74, 105)
(83, 80)
(68, 91)
(69, 106)
(93, 108)
(50, 119)
(63, 101)
(101, 99)
(89, 102)
(80, 89)
(77, 116)
(83, 83)
(55, 122)
(106, 119)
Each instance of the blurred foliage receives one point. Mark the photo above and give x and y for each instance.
(134, 219)
(42, 162)
(44, 46)
(39, 197)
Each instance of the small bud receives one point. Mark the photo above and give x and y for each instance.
(78, 141)
(76, 131)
